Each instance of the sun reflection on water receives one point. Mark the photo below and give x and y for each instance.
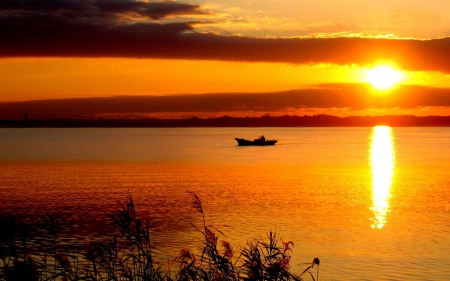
(382, 162)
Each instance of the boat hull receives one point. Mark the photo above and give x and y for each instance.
(258, 142)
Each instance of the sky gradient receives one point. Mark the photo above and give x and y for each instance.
(216, 58)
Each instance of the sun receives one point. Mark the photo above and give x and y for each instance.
(383, 77)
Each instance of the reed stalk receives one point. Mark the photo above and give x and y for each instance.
(128, 253)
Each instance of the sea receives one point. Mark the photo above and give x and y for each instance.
(372, 203)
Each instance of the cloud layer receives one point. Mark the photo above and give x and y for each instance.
(329, 96)
(136, 29)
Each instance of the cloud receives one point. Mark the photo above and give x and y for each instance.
(96, 10)
(128, 29)
(348, 97)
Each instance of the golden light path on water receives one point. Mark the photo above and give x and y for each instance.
(382, 163)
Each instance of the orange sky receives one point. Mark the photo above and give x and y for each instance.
(222, 49)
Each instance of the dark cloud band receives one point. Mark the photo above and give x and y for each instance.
(98, 29)
(352, 96)
(82, 10)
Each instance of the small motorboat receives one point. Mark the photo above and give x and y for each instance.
(261, 142)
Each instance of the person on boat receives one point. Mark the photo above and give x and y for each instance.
(262, 138)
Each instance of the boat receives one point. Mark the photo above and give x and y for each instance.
(260, 142)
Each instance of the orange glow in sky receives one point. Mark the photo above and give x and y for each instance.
(230, 48)
(54, 78)
(24, 79)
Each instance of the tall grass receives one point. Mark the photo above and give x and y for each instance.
(127, 253)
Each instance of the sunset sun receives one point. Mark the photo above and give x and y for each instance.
(383, 77)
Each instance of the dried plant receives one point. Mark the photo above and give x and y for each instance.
(127, 253)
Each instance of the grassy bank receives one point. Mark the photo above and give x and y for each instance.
(33, 251)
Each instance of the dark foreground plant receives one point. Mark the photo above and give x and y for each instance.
(212, 265)
(267, 260)
(259, 260)
(127, 253)
(315, 261)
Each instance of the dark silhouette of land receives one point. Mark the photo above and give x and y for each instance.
(320, 120)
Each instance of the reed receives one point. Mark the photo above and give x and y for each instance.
(127, 253)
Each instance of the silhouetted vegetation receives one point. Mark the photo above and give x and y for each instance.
(127, 253)
(320, 120)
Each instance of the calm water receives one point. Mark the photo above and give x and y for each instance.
(371, 203)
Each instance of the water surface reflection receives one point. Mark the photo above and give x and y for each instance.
(382, 163)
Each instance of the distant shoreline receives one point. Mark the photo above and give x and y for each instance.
(320, 120)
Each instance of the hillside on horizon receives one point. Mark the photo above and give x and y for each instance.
(320, 120)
